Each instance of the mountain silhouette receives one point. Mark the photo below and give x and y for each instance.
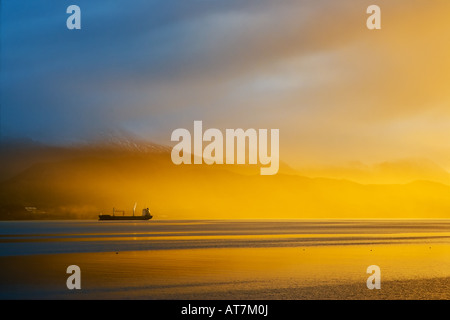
(81, 181)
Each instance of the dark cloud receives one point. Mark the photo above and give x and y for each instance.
(310, 68)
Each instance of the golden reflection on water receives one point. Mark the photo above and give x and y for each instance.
(182, 236)
(230, 263)
(249, 273)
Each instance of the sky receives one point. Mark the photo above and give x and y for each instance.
(337, 91)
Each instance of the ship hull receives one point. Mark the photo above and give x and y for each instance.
(110, 217)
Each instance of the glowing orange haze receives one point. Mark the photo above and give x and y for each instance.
(350, 103)
(85, 185)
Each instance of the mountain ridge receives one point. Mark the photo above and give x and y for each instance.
(80, 182)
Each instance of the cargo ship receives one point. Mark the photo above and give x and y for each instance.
(146, 215)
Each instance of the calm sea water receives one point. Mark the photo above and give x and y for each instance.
(223, 259)
(50, 237)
